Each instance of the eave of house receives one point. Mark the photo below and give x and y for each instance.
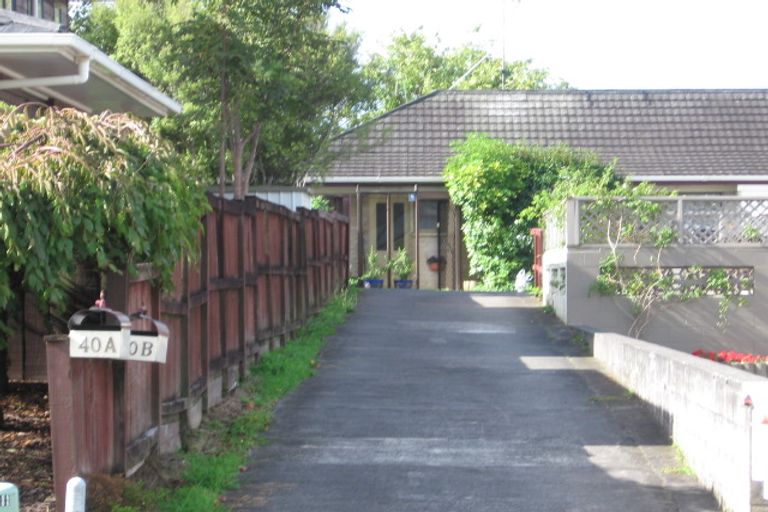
(672, 178)
(375, 180)
(107, 85)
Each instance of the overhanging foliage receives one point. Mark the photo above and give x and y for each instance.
(264, 83)
(103, 191)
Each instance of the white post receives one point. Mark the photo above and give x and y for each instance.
(9, 497)
(75, 500)
(572, 227)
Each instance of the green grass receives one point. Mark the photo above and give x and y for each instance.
(579, 340)
(208, 475)
(682, 467)
(626, 395)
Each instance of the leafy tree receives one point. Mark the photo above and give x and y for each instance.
(412, 67)
(494, 184)
(263, 82)
(94, 22)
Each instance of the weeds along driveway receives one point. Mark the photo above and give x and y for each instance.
(449, 401)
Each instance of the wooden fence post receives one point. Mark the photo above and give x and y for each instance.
(83, 413)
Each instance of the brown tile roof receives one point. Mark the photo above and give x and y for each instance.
(675, 132)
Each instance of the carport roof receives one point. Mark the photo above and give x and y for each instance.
(663, 135)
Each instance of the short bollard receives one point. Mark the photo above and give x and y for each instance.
(75, 500)
(9, 497)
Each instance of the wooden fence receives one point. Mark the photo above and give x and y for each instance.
(261, 272)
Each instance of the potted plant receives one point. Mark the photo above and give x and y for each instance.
(373, 277)
(436, 263)
(402, 266)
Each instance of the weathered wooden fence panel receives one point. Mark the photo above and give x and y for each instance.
(261, 271)
(26, 348)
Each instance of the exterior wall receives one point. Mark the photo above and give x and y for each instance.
(686, 189)
(687, 326)
(51, 10)
(355, 257)
(554, 272)
(752, 190)
(703, 405)
(292, 198)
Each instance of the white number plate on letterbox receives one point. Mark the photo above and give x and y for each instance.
(148, 348)
(98, 344)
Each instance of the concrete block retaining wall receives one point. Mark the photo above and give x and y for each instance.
(702, 403)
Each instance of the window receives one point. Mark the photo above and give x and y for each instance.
(20, 6)
(60, 12)
(433, 215)
(381, 226)
(428, 215)
(48, 10)
(398, 225)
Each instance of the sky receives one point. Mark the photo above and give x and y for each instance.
(591, 44)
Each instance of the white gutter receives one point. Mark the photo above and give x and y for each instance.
(43, 93)
(656, 178)
(378, 179)
(687, 178)
(77, 49)
(83, 72)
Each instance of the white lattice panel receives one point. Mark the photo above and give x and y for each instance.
(727, 221)
(700, 221)
(596, 225)
(554, 233)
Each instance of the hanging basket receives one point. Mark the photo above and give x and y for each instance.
(436, 263)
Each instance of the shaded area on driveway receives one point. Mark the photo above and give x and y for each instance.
(449, 401)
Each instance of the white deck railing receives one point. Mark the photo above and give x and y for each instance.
(696, 220)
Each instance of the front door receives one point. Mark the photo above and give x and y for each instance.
(393, 229)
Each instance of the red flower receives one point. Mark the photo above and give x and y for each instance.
(731, 356)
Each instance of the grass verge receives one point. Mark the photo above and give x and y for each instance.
(211, 468)
(682, 467)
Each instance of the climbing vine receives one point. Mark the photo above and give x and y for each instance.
(494, 185)
(103, 191)
(633, 225)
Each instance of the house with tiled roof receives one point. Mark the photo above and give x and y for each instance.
(389, 172)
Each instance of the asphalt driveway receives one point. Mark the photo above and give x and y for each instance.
(447, 401)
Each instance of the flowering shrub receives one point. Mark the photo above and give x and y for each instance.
(731, 357)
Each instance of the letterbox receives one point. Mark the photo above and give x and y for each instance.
(9, 497)
(99, 333)
(148, 345)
